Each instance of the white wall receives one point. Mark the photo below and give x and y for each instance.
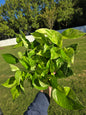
(30, 37)
(12, 41)
(81, 28)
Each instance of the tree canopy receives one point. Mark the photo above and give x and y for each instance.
(29, 15)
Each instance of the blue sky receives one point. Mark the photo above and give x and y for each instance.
(2, 2)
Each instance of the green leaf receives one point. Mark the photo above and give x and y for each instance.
(24, 58)
(47, 54)
(20, 44)
(43, 84)
(29, 76)
(23, 35)
(21, 40)
(41, 65)
(38, 70)
(55, 53)
(32, 62)
(46, 47)
(40, 53)
(53, 35)
(69, 72)
(31, 53)
(15, 91)
(22, 86)
(72, 33)
(66, 98)
(56, 38)
(74, 46)
(59, 62)
(34, 44)
(24, 76)
(20, 55)
(39, 37)
(60, 74)
(9, 58)
(33, 68)
(48, 64)
(53, 82)
(25, 41)
(24, 64)
(18, 40)
(44, 72)
(13, 67)
(18, 76)
(64, 56)
(67, 55)
(39, 85)
(10, 82)
(66, 70)
(52, 66)
(70, 53)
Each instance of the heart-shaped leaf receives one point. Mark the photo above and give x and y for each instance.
(18, 76)
(66, 98)
(10, 82)
(9, 58)
(54, 36)
(72, 33)
(13, 67)
(39, 84)
(15, 91)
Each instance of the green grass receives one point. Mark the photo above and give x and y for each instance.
(77, 82)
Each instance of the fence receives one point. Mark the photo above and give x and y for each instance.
(30, 37)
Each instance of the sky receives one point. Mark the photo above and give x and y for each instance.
(2, 2)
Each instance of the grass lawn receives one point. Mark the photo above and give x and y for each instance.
(77, 82)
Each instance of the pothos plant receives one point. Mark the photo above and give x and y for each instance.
(44, 62)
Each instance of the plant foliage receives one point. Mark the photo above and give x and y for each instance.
(44, 61)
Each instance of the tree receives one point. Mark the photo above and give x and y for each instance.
(49, 13)
(31, 12)
(28, 15)
(66, 11)
(82, 4)
(5, 31)
(12, 13)
(21, 14)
